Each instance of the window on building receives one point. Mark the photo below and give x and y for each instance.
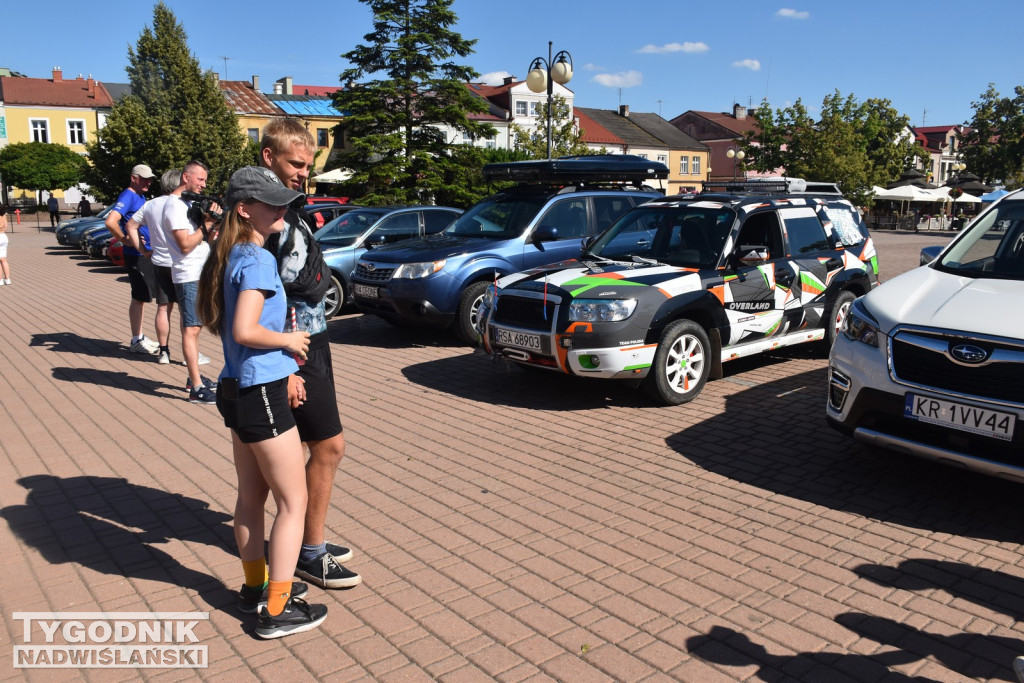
(467, 138)
(696, 166)
(254, 134)
(663, 158)
(40, 129)
(521, 107)
(534, 109)
(322, 137)
(684, 166)
(76, 132)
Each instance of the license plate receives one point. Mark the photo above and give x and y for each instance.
(365, 291)
(520, 339)
(961, 416)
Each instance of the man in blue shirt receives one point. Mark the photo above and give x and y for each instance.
(140, 270)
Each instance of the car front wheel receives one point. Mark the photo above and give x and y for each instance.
(335, 298)
(467, 319)
(840, 309)
(681, 364)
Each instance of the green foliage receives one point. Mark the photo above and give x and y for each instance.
(993, 147)
(565, 138)
(855, 144)
(403, 91)
(175, 113)
(41, 166)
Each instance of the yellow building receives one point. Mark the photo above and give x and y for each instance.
(52, 110)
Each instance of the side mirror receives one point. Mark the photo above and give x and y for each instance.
(588, 242)
(544, 233)
(751, 255)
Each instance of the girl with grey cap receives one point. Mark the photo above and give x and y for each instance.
(242, 300)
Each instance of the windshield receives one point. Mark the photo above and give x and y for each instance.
(688, 236)
(500, 217)
(993, 245)
(344, 230)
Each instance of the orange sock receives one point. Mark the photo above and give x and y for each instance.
(255, 572)
(277, 595)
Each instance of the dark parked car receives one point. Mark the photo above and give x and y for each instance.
(349, 236)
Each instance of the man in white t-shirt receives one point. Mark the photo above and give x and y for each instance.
(151, 213)
(188, 245)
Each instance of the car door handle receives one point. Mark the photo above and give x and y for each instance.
(833, 263)
(784, 278)
(643, 243)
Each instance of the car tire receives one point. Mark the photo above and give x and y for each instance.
(681, 364)
(837, 314)
(466, 318)
(334, 299)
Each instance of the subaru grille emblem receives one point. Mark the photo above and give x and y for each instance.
(968, 353)
(370, 267)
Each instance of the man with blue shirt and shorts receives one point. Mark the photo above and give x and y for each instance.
(140, 269)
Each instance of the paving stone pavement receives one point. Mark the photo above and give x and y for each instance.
(508, 525)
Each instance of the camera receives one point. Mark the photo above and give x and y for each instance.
(200, 208)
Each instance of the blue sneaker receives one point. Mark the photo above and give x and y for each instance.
(207, 383)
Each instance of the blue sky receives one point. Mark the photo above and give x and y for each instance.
(930, 59)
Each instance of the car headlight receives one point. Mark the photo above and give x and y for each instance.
(488, 299)
(601, 310)
(414, 271)
(860, 326)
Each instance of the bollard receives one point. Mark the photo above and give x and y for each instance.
(17, 214)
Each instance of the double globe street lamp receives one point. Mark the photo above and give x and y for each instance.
(545, 73)
(955, 191)
(736, 155)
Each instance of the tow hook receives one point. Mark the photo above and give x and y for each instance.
(515, 354)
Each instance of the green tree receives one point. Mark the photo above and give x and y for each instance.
(854, 144)
(993, 146)
(403, 91)
(41, 166)
(175, 113)
(566, 139)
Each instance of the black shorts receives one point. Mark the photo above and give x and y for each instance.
(318, 418)
(260, 412)
(165, 293)
(141, 277)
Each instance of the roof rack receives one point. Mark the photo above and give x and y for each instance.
(591, 168)
(754, 186)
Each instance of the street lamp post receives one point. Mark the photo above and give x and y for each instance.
(954, 192)
(545, 73)
(736, 155)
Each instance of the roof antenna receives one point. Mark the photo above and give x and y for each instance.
(225, 67)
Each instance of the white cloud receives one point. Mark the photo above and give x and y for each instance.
(787, 13)
(494, 77)
(624, 79)
(590, 66)
(751, 64)
(673, 47)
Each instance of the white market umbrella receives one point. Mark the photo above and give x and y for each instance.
(338, 175)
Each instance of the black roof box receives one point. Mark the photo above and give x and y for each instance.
(589, 168)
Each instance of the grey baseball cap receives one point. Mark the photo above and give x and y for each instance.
(261, 184)
(143, 171)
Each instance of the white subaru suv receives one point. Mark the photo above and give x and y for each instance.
(931, 363)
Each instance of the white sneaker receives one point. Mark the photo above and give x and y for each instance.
(145, 345)
(7, 281)
(164, 359)
(3, 282)
(203, 359)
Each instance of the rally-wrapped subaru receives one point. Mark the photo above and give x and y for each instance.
(680, 285)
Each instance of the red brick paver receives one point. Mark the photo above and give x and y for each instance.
(509, 526)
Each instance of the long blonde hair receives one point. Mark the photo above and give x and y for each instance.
(234, 229)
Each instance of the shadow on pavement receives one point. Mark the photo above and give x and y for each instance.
(370, 330)
(115, 527)
(70, 342)
(774, 436)
(117, 380)
(996, 591)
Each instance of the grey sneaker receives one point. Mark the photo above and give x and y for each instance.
(145, 345)
(202, 395)
(251, 599)
(297, 616)
(206, 381)
(326, 573)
